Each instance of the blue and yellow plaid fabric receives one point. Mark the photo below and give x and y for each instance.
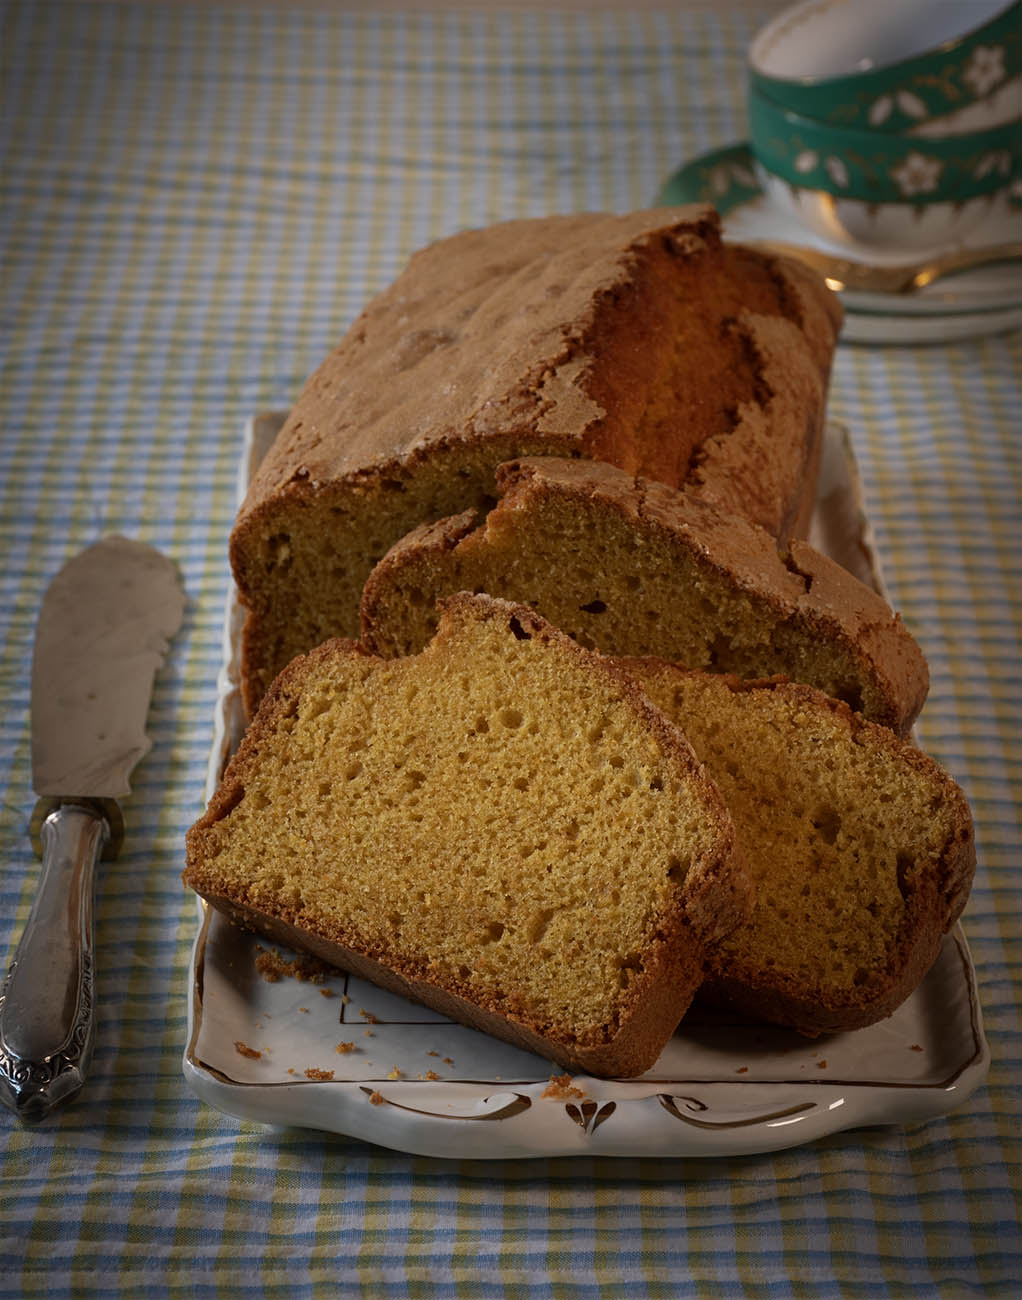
(195, 202)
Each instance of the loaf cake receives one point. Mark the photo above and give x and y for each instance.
(860, 847)
(641, 340)
(636, 568)
(502, 827)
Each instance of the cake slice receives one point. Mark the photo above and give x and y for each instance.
(502, 827)
(633, 567)
(861, 849)
(641, 339)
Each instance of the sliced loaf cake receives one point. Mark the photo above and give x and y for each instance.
(639, 339)
(502, 827)
(861, 848)
(632, 567)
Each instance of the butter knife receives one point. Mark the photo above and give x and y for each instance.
(102, 632)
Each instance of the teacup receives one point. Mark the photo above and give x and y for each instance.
(882, 187)
(885, 65)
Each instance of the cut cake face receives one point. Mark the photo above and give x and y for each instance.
(861, 849)
(632, 567)
(502, 827)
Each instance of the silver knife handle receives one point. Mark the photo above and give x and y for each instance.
(46, 1000)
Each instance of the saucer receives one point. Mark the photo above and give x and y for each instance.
(973, 303)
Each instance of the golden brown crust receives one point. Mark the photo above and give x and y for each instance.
(638, 339)
(882, 639)
(819, 602)
(500, 326)
(739, 976)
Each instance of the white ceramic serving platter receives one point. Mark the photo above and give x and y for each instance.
(410, 1080)
(971, 304)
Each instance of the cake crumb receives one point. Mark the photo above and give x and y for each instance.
(343, 1048)
(448, 1060)
(313, 1073)
(273, 967)
(304, 1010)
(368, 1015)
(430, 1074)
(916, 1047)
(561, 1087)
(742, 1069)
(432, 1053)
(345, 999)
(822, 1065)
(394, 1074)
(368, 1033)
(327, 993)
(249, 1052)
(376, 1098)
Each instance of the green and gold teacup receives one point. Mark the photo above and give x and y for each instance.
(883, 189)
(888, 65)
(882, 167)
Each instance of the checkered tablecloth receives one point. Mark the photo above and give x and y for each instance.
(196, 200)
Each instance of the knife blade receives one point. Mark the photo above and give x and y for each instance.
(103, 629)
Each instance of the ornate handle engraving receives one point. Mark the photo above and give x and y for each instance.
(46, 1001)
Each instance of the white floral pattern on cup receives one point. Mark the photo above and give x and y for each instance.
(985, 69)
(837, 171)
(999, 161)
(726, 179)
(722, 178)
(910, 104)
(917, 174)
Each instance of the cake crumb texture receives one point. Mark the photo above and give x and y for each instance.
(632, 567)
(861, 847)
(501, 825)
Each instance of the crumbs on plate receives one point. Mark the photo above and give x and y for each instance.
(273, 967)
(249, 1053)
(561, 1087)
